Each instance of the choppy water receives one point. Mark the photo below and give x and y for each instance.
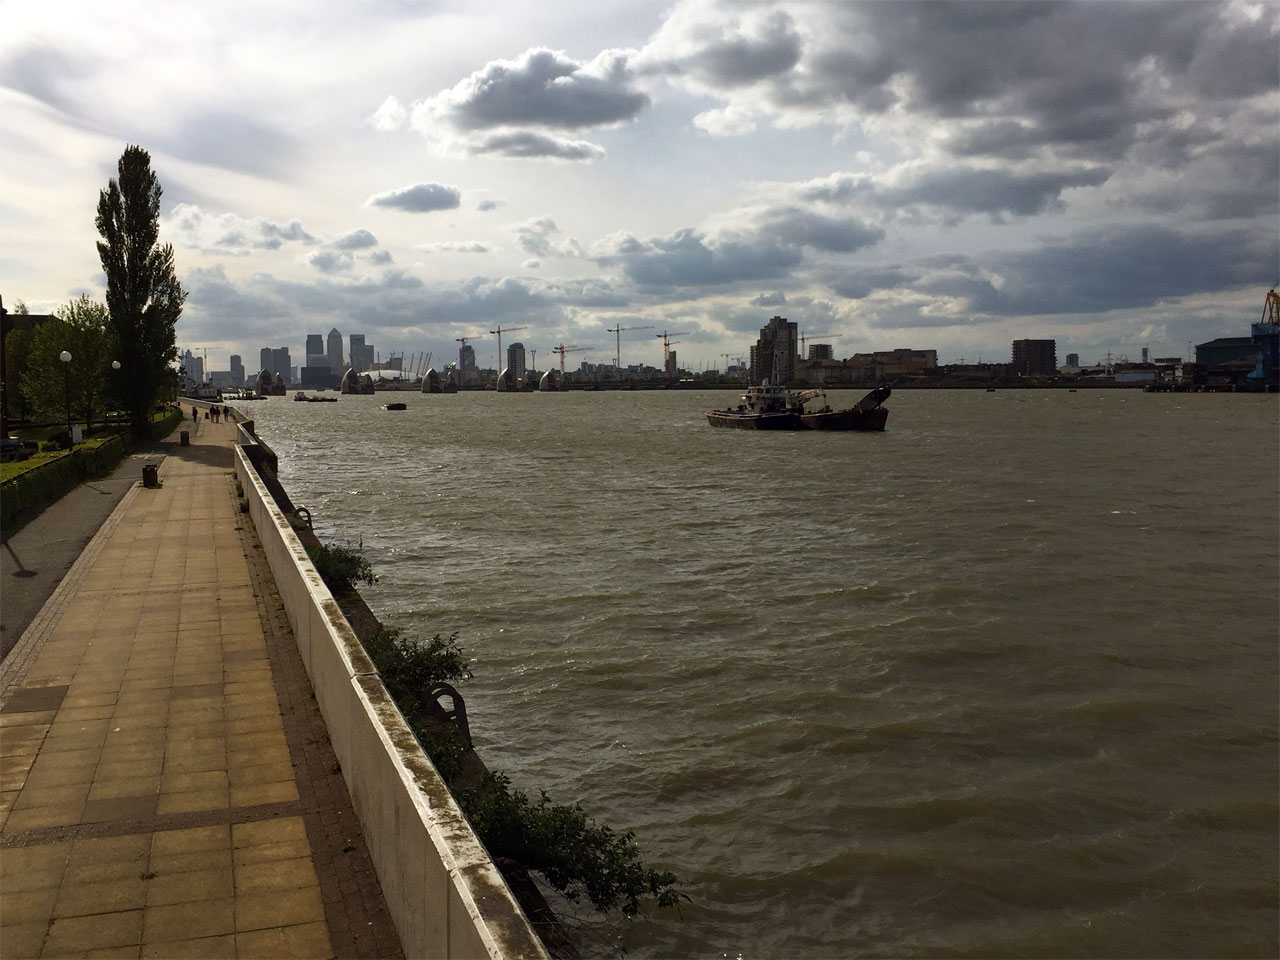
(1001, 681)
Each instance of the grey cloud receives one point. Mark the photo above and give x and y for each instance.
(379, 257)
(233, 142)
(1086, 81)
(957, 190)
(330, 261)
(689, 259)
(543, 88)
(738, 60)
(419, 198)
(355, 240)
(1090, 273)
(803, 227)
(527, 144)
(776, 299)
(40, 71)
(484, 206)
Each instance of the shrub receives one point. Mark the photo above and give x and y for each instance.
(341, 566)
(577, 856)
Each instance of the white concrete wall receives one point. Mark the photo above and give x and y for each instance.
(444, 893)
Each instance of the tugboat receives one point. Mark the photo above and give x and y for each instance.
(392, 406)
(771, 407)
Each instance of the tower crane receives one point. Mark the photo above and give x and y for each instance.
(499, 333)
(815, 336)
(462, 358)
(666, 347)
(562, 350)
(617, 332)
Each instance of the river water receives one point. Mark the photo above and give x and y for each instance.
(1000, 681)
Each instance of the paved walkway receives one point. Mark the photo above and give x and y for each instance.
(167, 788)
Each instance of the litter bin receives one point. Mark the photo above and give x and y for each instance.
(150, 478)
(184, 438)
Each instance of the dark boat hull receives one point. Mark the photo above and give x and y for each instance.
(850, 419)
(754, 421)
(831, 420)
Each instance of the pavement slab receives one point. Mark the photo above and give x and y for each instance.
(167, 786)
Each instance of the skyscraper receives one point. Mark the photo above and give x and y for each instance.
(467, 363)
(280, 363)
(773, 357)
(264, 360)
(315, 351)
(237, 370)
(360, 354)
(335, 351)
(515, 359)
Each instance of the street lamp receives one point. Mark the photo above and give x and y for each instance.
(115, 388)
(65, 357)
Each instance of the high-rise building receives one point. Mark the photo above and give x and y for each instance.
(1073, 359)
(773, 357)
(264, 360)
(315, 355)
(515, 359)
(335, 351)
(194, 366)
(1032, 357)
(237, 370)
(361, 354)
(673, 368)
(467, 363)
(280, 363)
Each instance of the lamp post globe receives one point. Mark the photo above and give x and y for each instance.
(65, 357)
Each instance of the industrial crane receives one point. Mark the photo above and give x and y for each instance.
(462, 358)
(815, 336)
(1271, 309)
(499, 333)
(666, 348)
(617, 331)
(562, 350)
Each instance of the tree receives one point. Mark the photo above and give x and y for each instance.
(84, 331)
(144, 298)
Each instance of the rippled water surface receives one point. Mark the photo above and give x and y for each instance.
(999, 681)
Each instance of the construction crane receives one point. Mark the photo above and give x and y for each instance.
(667, 343)
(562, 350)
(814, 336)
(499, 333)
(1271, 309)
(462, 358)
(617, 332)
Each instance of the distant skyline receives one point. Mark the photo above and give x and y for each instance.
(934, 176)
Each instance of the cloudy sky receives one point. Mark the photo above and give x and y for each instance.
(942, 175)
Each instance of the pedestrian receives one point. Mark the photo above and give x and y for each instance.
(195, 413)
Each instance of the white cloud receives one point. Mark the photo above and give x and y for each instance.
(227, 233)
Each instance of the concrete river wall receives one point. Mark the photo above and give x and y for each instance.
(445, 895)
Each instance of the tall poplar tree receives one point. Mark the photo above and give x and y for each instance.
(144, 297)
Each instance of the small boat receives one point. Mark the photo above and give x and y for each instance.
(301, 397)
(392, 406)
(771, 407)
